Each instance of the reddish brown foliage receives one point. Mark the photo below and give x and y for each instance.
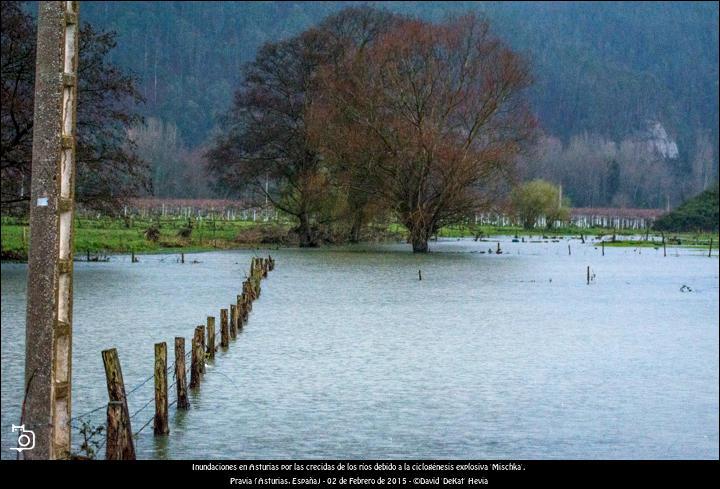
(424, 118)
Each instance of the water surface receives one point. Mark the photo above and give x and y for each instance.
(348, 355)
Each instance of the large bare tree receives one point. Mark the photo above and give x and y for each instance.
(265, 149)
(433, 113)
(108, 168)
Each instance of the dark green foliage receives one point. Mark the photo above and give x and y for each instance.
(697, 214)
(600, 67)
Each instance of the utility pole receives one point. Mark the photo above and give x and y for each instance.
(48, 341)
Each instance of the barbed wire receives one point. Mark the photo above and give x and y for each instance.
(95, 429)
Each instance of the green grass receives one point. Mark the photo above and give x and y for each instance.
(105, 235)
(108, 235)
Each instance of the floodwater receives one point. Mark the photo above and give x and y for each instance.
(348, 355)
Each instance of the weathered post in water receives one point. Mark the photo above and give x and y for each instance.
(588, 275)
(224, 330)
(48, 329)
(240, 313)
(233, 321)
(247, 306)
(602, 244)
(197, 357)
(210, 337)
(181, 382)
(710, 248)
(119, 443)
(160, 425)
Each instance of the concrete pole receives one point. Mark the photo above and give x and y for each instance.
(48, 343)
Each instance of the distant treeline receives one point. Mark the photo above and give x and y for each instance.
(625, 94)
(604, 73)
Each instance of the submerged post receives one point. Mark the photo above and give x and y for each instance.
(710, 249)
(181, 382)
(160, 425)
(224, 331)
(240, 313)
(48, 330)
(246, 306)
(588, 275)
(663, 243)
(210, 337)
(119, 443)
(233, 321)
(197, 357)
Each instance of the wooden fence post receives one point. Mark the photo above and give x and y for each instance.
(233, 321)
(161, 396)
(224, 332)
(119, 444)
(197, 357)
(182, 399)
(246, 306)
(211, 336)
(240, 313)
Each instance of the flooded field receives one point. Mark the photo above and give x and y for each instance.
(348, 355)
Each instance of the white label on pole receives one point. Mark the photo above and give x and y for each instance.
(42, 202)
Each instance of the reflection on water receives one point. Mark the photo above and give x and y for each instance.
(347, 354)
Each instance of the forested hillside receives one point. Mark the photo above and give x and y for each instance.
(626, 93)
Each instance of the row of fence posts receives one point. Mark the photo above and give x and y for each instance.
(119, 443)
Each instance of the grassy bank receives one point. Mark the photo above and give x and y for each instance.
(104, 236)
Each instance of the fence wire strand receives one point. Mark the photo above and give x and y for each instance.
(95, 429)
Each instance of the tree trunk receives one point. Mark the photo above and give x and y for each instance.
(356, 227)
(419, 236)
(419, 244)
(305, 232)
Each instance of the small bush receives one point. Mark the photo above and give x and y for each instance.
(700, 213)
(152, 233)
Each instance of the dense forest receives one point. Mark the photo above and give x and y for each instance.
(625, 94)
